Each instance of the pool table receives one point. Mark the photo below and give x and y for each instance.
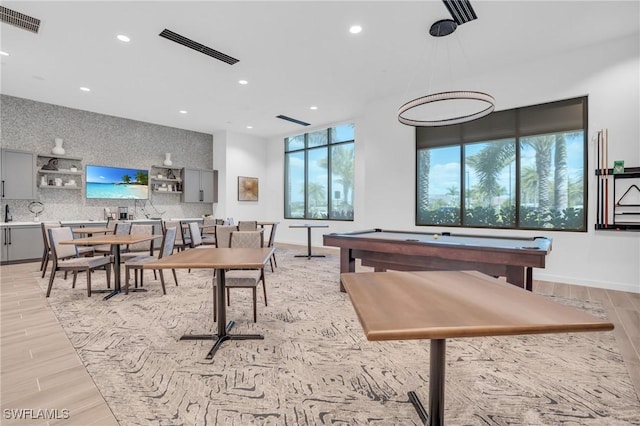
(510, 257)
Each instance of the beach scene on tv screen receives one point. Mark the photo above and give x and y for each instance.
(117, 182)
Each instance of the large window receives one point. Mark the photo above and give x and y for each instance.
(319, 174)
(521, 168)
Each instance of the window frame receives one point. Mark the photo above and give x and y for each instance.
(454, 136)
(306, 149)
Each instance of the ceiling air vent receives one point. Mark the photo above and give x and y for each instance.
(19, 20)
(293, 120)
(175, 37)
(460, 10)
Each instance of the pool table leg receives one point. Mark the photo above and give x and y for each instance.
(347, 264)
(516, 276)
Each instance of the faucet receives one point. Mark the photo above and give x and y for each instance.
(7, 216)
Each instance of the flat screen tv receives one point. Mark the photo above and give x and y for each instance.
(117, 182)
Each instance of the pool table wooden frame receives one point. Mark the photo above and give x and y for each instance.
(510, 257)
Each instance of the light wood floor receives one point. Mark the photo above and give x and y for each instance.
(41, 370)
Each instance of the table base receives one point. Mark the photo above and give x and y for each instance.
(219, 340)
(309, 256)
(436, 387)
(114, 292)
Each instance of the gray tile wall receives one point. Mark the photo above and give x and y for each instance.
(99, 140)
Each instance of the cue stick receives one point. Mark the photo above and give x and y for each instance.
(606, 177)
(597, 159)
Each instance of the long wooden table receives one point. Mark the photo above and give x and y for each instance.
(115, 240)
(438, 305)
(219, 259)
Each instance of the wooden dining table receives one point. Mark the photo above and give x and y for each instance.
(115, 240)
(437, 305)
(220, 260)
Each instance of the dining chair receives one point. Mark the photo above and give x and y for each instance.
(272, 239)
(137, 263)
(179, 241)
(137, 249)
(247, 225)
(120, 228)
(197, 240)
(244, 278)
(66, 258)
(223, 235)
(46, 254)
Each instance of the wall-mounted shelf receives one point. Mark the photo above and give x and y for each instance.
(63, 171)
(161, 183)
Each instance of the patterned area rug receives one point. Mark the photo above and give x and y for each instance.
(315, 367)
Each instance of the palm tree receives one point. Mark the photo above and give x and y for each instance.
(542, 147)
(560, 179)
(424, 168)
(487, 164)
(528, 185)
(316, 192)
(342, 165)
(126, 179)
(142, 178)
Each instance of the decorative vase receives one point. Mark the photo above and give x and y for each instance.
(167, 159)
(58, 149)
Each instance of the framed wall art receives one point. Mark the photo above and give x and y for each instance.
(247, 188)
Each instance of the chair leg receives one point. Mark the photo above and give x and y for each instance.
(271, 263)
(127, 277)
(141, 277)
(274, 259)
(44, 256)
(164, 289)
(88, 282)
(75, 276)
(51, 277)
(228, 297)
(264, 288)
(175, 277)
(46, 263)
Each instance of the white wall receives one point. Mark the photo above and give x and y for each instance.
(237, 154)
(385, 160)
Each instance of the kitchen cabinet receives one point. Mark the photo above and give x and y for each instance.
(200, 186)
(21, 243)
(18, 175)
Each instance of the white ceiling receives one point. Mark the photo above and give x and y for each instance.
(294, 54)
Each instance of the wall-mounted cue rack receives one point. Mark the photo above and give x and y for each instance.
(625, 214)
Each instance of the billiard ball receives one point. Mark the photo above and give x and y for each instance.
(435, 236)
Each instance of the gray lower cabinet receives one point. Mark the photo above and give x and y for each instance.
(200, 186)
(18, 175)
(21, 243)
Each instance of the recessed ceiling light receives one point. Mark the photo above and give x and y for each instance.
(243, 82)
(355, 29)
(182, 111)
(249, 127)
(313, 107)
(85, 89)
(4, 53)
(124, 38)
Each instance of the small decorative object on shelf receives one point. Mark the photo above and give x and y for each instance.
(52, 164)
(167, 159)
(170, 174)
(58, 149)
(73, 168)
